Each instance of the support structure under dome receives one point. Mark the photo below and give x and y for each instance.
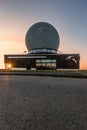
(42, 51)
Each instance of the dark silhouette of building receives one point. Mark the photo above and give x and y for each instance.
(42, 41)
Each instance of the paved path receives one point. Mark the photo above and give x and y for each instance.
(42, 103)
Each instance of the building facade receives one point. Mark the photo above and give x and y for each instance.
(42, 61)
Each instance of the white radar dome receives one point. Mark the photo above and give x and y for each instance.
(42, 37)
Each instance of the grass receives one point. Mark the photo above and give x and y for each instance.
(54, 73)
(59, 70)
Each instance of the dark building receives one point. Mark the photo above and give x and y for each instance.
(42, 41)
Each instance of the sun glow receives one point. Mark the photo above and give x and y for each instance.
(9, 66)
(10, 47)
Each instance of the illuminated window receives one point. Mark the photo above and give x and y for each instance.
(47, 63)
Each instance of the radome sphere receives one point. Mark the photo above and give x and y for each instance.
(42, 35)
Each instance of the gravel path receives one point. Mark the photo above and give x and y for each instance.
(42, 103)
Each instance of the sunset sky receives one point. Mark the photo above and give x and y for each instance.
(69, 17)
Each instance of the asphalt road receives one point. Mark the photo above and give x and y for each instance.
(42, 103)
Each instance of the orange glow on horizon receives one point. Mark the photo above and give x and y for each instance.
(83, 66)
(10, 47)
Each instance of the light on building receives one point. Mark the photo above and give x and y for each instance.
(9, 65)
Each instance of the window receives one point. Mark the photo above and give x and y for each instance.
(46, 63)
